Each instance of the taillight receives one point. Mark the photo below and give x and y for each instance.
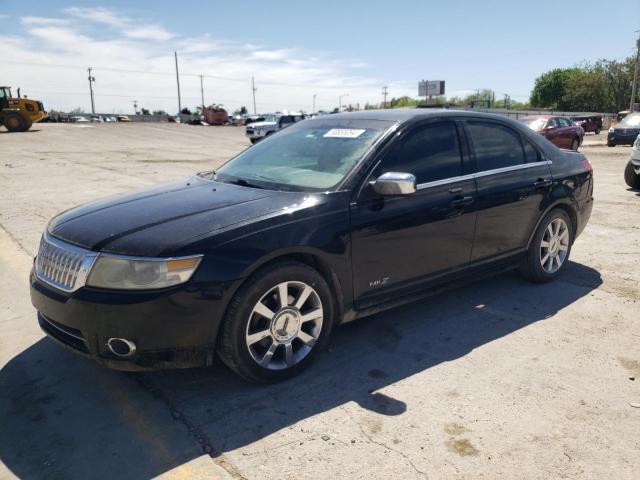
(587, 164)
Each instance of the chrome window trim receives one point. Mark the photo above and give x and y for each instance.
(486, 173)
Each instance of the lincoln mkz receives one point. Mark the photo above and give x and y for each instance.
(324, 222)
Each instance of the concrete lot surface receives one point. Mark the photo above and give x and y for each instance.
(501, 379)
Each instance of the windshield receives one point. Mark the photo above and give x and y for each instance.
(311, 155)
(534, 123)
(631, 120)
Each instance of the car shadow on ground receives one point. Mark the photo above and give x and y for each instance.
(62, 416)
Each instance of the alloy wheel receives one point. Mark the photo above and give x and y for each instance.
(284, 325)
(554, 246)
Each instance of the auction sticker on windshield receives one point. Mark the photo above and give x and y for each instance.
(344, 133)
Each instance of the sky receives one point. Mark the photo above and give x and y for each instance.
(295, 50)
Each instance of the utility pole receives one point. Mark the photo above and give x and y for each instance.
(178, 82)
(635, 76)
(202, 93)
(384, 95)
(340, 101)
(91, 80)
(135, 106)
(253, 92)
(313, 110)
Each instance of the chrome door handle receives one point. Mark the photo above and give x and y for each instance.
(543, 183)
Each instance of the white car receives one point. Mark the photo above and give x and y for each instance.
(258, 130)
(79, 119)
(632, 171)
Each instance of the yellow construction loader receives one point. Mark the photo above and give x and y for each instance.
(18, 114)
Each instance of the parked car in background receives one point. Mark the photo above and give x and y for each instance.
(79, 118)
(258, 130)
(326, 221)
(258, 118)
(123, 118)
(560, 131)
(96, 119)
(592, 123)
(632, 170)
(110, 119)
(625, 132)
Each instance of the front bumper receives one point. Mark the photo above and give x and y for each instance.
(172, 328)
(614, 138)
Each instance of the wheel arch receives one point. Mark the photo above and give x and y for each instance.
(307, 257)
(564, 205)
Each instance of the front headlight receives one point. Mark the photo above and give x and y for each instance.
(611, 130)
(141, 274)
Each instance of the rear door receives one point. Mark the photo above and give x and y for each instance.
(400, 241)
(513, 181)
(567, 132)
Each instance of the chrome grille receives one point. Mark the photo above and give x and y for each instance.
(62, 265)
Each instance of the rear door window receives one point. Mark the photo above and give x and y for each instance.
(431, 152)
(495, 146)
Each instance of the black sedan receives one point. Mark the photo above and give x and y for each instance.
(625, 132)
(326, 221)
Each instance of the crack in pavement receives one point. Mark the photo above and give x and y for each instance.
(384, 445)
(194, 431)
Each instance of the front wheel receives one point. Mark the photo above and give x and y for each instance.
(16, 123)
(277, 322)
(631, 177)
(550, 247)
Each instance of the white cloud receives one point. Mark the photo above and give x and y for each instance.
(43, 21)
(99, 15)
(134, 61)
(149, 32)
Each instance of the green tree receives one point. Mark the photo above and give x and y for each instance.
(550, 88)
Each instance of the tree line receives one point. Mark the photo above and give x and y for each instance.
(601, 86)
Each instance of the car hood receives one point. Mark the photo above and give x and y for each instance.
(261, 124)
(157, 220)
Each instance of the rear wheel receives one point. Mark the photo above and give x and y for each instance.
(597, 130)
(16, 122)
(277, 322)
(575, 143)
(549, 251)
(631, 177)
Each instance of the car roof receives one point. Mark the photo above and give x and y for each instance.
(403, 115)
(536, 117)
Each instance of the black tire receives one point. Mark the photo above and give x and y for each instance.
(575, 144)
(531, 265)
(16, 122)
(597, 130)
(253, 140)
(610, 144)
(631, 177)
(232, 344)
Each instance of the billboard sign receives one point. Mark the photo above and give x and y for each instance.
(428, 88)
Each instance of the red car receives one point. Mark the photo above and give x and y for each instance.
(560, 131)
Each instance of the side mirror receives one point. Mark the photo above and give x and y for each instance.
(394, 183)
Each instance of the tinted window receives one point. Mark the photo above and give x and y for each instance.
(430, 153)
(564, 122)
(495, 146)
(553, 122)
(530, 153)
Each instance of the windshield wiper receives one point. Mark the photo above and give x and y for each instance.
(245, 183)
